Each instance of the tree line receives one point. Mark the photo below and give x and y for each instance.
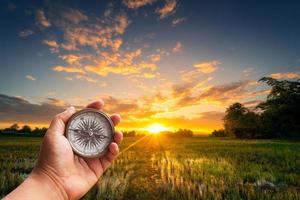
(277, 117)
(15, 129)
(24, 130)
(177, 133)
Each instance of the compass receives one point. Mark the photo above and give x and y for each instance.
(90, 132)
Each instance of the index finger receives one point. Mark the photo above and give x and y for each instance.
(96, 104)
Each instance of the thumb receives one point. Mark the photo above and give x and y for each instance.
(58, 123)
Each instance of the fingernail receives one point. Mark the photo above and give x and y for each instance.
(71, 108)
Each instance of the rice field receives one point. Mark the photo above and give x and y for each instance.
(161, 167)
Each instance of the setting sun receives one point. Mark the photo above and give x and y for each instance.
(156, 128)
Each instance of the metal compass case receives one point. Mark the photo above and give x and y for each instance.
(90, 132)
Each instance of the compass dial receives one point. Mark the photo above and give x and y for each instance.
(90, 132)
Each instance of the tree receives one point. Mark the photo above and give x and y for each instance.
(219, 133)
(39, 131)
(281, 111)
(240, 122)
(14, 127)
(25, 129)
(184, 133)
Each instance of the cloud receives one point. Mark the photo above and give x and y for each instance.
(178, 21)
(68, 69)
(204, 122)
(196, 93)
(207, 67)
(120, 63)
(135, 112)
(74, 16)
(25, 33)
(249, 71)
(115, 105)
(230, 91)
(135, 4)
(168, 9)
(285, 75)
(178, 48)
(155, 57)
(116, 44)
(74, 59)
(104, 36)
(96, 34)
(190, 76)
(51, 43)
(86, 78)
(17, 109)
(251, 104)
(41, 19)
(30, 77)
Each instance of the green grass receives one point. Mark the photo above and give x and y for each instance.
(178, 168)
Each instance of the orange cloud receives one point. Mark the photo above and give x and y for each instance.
(51, 43)
(190, 76)
(135, 4)
(74, 16)
(178, 47)
(207, 67)
(155, 57)
(41, 19)
(286, 75)
(74, 58)
(168, 9)
(116, 44)
(82, 78)
(68, 69)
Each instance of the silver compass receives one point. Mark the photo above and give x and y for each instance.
(90, 132)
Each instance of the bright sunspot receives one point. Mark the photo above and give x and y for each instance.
(156, 128)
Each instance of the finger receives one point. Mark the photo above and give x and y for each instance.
(58, 123)
(113, 150)
(116, 118)
(96, 104)
(118, 137)
(110, 156)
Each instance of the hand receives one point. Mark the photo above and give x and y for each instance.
(62, 171)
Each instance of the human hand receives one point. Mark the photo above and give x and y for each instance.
(59, 169)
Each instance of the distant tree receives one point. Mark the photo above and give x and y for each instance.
(184, 133)
(25, 129)
(14, 127)
(219, 133)
(39, 131)
(129, 133)
(281, 111)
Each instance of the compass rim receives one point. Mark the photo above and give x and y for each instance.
(112, 127)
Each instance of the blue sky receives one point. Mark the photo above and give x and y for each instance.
(143, 57)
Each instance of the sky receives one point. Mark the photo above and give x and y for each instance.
(170, 62)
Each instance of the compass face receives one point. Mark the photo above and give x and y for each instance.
(90, 132)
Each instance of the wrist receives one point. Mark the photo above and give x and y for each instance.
(39, 185)
(51, 185)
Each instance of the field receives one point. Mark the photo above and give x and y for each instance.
(178, 168)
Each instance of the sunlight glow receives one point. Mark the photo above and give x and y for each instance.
(156, 128)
